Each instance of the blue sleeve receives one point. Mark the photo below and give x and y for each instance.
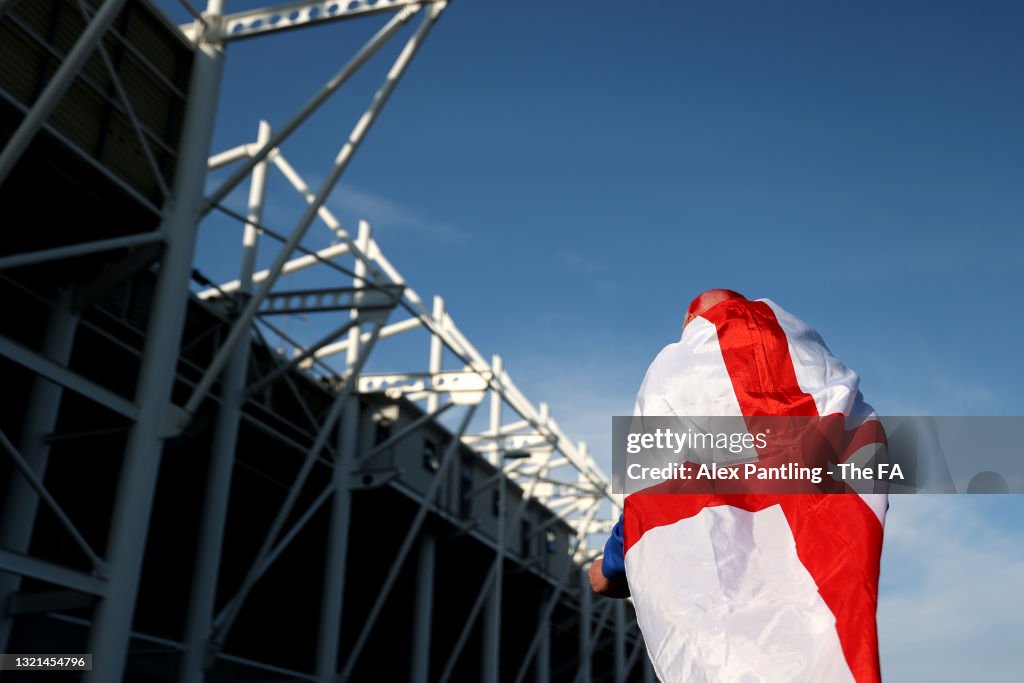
(613, 566)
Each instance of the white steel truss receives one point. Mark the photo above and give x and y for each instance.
(549, 467)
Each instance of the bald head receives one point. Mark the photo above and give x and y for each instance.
(708, 299)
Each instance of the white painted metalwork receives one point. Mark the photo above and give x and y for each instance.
(450, 374)
(215, 504)
(109, 638)
(298, 14)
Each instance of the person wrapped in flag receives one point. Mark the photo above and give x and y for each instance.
(756, 586)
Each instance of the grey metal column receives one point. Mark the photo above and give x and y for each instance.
(423, 609)
(542, 665)
(196, 657)
(341, 504)
(490, 661)
(21, 503)
(109, 639)
(649, 676)
(337, 541)
(436, 351)
(583, 666)
(619, 651)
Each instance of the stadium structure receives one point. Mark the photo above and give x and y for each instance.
(191, 492)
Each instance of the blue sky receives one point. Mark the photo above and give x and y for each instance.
(569, 175)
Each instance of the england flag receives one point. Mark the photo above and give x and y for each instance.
(760, 586)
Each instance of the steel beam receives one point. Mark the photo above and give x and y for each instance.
(329, 299)
(300, 186)
(404, 433)
(464, 387)
(108, 641)
(648, 669)
(336, 560)
(284, 131)
(59, 374)
(595, 634)
(387, 331)
(418, 386)
(542, 663)
(210, 540)
(298, 14)
(35, 482)
(225, 619)
(341, 162)
(22, 502)
(227, 157)
(423, 610)
(42, 602)
(284, 368)
(638, 649)
(490, 658)
(583, 672)
(51, 573)
(549, 609)
(293, 266)
(336, 554)
(73, 250)
(481, 598)
(619, 647)
(435, 361)
(403, 551)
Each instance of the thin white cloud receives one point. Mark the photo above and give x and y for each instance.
(383, 212)
(595, 272)
(975, 398)
(578, 263)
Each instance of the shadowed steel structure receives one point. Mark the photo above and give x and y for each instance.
(186, 500)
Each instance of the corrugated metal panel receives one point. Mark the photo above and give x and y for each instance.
(153, 64)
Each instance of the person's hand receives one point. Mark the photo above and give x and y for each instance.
(604, 586)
